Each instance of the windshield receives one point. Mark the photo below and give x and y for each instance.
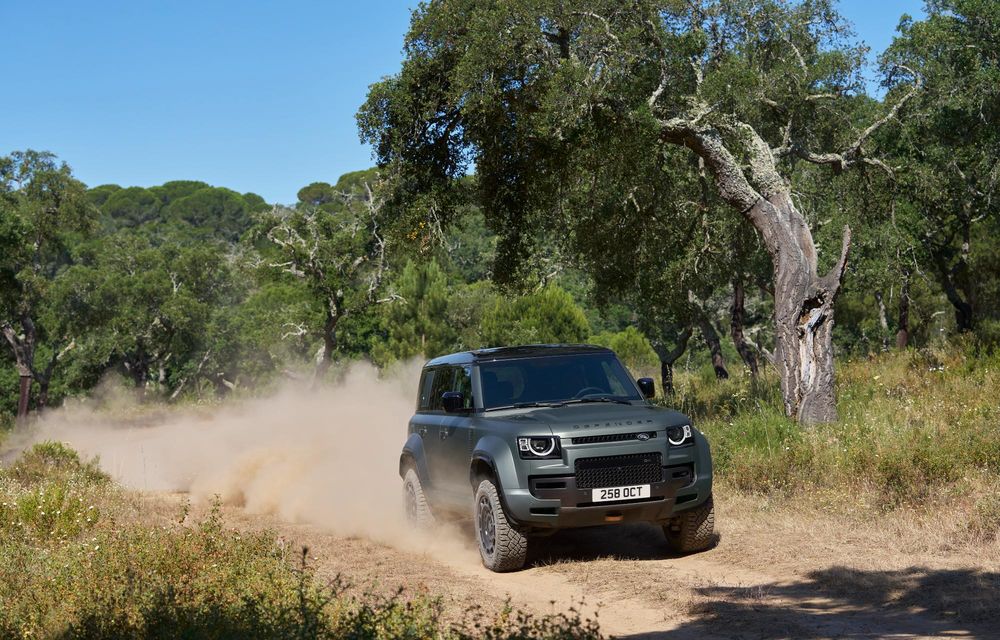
(554, 380)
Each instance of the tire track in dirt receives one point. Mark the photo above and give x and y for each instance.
(624, 576)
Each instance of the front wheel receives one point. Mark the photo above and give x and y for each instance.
(501, 546)
(693, 530)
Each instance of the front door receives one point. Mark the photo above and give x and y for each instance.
(445, 435)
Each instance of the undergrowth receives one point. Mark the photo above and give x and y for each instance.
(72, 566)
(914, 426)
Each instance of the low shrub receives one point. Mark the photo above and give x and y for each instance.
(69, 571)
(911, 423)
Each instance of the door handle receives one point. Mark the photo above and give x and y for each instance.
(443, 433)
(422, 431)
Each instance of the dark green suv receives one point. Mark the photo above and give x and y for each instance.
(544, 437)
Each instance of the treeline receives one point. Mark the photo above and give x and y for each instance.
(721, 188)
(185, 288)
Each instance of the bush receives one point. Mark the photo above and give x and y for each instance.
(912, 424)
(68, 571)
(632, 347)
(49, 459)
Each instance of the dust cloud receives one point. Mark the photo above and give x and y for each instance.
(327, 457)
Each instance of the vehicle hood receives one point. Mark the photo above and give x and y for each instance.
(592, 419)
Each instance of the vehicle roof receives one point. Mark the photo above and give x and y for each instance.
(522, 351)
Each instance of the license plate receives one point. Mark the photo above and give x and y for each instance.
(634, 492)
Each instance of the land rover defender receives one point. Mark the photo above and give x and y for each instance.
(537, 438)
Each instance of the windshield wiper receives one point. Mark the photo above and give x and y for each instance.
(600, 399)
(526, 405)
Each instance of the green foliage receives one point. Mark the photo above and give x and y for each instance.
(76, 562)
(414, 323)
(631, 346)
(546, 316)
(913, 424)
(129, 207)
(54, 461)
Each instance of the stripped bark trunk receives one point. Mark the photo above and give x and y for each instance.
(803, 309)
(668, 356)
(711, 337)
(883, 321)
(737, 315)
(903, 323)
(23, 347)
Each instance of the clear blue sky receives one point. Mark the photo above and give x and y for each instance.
(254, 96)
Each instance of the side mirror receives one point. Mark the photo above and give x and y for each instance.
(453, 401)
(647, 387)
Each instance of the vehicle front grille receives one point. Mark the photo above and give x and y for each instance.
(618, 471)
(614, 437)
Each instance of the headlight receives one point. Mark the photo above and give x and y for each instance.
(680, 435)
(539, 447)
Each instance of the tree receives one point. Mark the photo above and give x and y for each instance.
(547, 316)
(129, 207)
(215, 211)
(42, 208)
(631, 346)
(337, 250)
(149, 307)
(524, 90)
(415, 323)
(950, 144)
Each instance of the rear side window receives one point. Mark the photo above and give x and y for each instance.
(443, 381)
(426, 383)
(463, 384)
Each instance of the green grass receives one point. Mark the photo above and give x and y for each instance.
(77, 561)
(913, 425)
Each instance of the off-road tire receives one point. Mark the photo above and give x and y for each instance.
(415, 507)
(692, 530)
(507, 548)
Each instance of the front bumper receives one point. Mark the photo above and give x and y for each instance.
(553, 500)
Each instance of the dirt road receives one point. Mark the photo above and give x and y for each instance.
(754, 584)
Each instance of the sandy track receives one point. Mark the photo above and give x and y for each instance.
(623, 575)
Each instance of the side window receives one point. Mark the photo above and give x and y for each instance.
(463, 383)
(443, 379)
(426, 382)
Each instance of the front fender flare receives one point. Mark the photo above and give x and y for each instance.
(496, 453)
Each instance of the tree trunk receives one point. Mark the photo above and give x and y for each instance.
(667, 377)
(668, 357)
(711, 337)
(803, 312)
(24, 395)
(903, 331)
(737, 316)
(43, 392)
(883, 321)
(964, 319)
(329, 347)
(23, 347)
(803, 307)
(956, 280)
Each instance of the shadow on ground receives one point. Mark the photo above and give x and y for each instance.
(621, 542)
(841, 602)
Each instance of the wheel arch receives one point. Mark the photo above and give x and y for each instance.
(413, 455)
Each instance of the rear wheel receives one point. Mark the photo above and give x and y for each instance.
(693, 530)
(415, 507)
(501, 546)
